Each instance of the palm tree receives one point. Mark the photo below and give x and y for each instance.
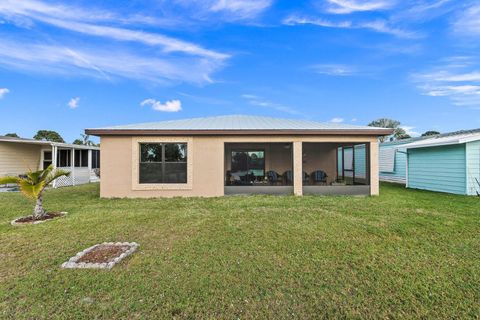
(33, 184)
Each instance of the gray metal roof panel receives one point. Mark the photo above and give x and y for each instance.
(238, 122)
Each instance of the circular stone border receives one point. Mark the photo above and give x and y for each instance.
(73, 264)
(15, 223)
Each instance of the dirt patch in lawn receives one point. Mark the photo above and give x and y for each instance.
(32, 220)
(103, 254)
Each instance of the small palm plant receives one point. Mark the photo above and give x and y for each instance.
(33, 184)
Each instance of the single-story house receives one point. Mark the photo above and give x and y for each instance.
(444, 163)
(19, 155)
(238, 154)
(392, 162)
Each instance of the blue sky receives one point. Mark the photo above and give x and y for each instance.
(78, 64)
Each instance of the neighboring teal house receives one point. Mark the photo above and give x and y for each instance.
(393, 161)
(444, 163)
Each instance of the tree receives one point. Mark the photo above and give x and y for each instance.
(84, 141)
(33, 184)
(405, 136)
(12, 134)
(430, 133)
(48, 135)
(398, 132)
(78, 141)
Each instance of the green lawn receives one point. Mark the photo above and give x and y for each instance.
(405, 254)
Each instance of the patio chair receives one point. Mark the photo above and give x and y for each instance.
(288, 177)
(305, 178)
(319, 177)
(273, 177)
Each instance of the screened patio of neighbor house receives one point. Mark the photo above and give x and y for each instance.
(268, 168)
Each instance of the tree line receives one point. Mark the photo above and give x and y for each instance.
(399, 133)
(53, 136)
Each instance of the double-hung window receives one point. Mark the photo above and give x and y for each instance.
(163, 163)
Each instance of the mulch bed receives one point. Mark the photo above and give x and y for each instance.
(32, 220)
(103, 254)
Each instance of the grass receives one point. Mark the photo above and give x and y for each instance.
(405, 254)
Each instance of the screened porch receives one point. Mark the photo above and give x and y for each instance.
(324, 168)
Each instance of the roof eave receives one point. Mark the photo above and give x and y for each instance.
(155, 132)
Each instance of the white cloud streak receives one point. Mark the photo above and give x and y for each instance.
(241, 9)
(380, 26)
(409, 130)
(168, 106)
(459, 80)
(351, 6)
(160, 58)
(3, 92)
(74, 103)
(221, 10)
(255, 100)
(339, 70)
(337, 120)
(106, 63)
(121, 34)
(467, 22)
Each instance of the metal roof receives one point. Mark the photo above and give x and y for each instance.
(237, 123)
(403, 141)
(46, 143)
(451, 138)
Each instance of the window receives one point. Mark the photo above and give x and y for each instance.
(95, 159)
(163, 163)
(47, 159)
(81, 158)
(64, 158)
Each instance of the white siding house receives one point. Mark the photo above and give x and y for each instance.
(18, 155)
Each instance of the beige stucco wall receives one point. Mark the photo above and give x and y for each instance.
(208, 163)
(18, 158)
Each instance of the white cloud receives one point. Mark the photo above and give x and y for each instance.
(426, 10)
(3, 92)
(208, 11)
(299, 20)
(105, 63)
(337, 120)
(380, 26)
(152, 39)
(157, 57)
(350, 6)
(74, 103)
(241, 9)
(262, 102)
(467, 22)
(168, 106)
(26, 11)
(334, 69)
(409, 130)
(457, 78)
